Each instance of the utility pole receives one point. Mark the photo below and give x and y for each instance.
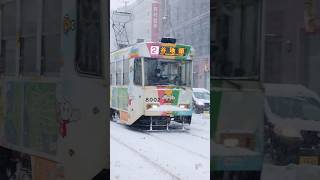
(119, 21)
(167, 29)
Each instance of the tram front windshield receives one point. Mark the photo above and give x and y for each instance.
(167, 72)
(236, 39)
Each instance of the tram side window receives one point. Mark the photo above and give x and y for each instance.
(2, 55)
(8, 37)
(113, 73)
(137, 72)
(118, 73)
(186, 73)
(126, 72)
(29, 41)
(89, 58)
(51, 38)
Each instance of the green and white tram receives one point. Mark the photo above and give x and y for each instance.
(53, 58)
(151, 85)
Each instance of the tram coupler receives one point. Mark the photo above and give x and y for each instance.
(150, 123)
(182, 122)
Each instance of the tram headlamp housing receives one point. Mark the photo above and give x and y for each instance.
(152, 106)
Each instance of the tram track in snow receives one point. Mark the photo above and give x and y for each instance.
(152, 134)
(177, 146)
(148, 160)
(195, 135)
(157, 151)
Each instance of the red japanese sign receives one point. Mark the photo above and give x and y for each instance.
(155, 22)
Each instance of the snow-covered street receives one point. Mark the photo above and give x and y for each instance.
(175, 155)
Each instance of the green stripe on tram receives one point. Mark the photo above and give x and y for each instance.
(215, 108)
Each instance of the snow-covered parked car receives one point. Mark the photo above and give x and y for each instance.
(201, 100)
(292, 126)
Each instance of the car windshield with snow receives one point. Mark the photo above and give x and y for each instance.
(300, 107)
(201, 100)
(202, 95)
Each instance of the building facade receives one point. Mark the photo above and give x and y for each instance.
(189, 22)
(145, 21)
(186, 20)
(292, 41)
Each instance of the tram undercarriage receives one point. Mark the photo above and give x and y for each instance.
(236, 175)
(160, 123)
(157, 123)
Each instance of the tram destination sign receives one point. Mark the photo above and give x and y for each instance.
(168, 50)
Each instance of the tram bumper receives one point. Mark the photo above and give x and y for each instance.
(164, 117)
(235, 158)
(167, 110)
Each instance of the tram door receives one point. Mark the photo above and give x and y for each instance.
(85, 144)
(135, 89)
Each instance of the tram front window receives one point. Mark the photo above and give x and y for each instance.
(167, 72)
(236, 40)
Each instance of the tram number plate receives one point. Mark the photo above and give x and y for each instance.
(152, 99)
(313, 160)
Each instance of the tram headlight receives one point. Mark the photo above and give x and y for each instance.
(152, 106)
